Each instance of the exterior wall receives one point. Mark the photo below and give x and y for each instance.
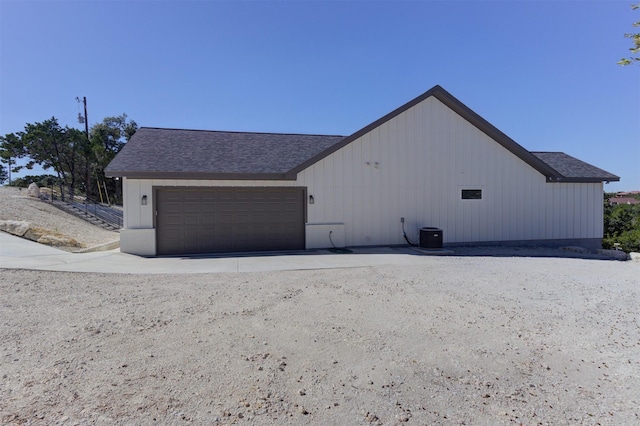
(324, 235)
(138, 241)
(415, 166)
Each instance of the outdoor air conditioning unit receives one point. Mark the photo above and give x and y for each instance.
(430, 238)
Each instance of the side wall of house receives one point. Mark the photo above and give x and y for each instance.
(413, 166)
(416, 165)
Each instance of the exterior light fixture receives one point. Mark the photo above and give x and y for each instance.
(143, 200)
(311, 200)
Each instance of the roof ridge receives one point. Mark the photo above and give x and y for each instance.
(548, 152)
(241, 132)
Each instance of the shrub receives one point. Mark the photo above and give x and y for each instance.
(622, 227)
(40, 180)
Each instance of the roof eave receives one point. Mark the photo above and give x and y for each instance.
(198, 175)
(563, 179)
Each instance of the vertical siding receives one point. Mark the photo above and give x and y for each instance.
(426, 156)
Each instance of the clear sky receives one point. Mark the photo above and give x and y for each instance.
(543, 72)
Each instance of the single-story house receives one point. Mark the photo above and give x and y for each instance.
(432, 162)
(614, 201)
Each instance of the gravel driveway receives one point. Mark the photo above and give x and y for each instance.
(457, 340)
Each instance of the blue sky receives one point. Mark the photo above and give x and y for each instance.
(543, 72)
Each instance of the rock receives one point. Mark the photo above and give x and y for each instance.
(34, 234)
(634, 256)
(50, 238)
(15, 227)
(614, 254)
(58, 241)
(33, 190)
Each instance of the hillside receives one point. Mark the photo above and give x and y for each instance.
(16, 205)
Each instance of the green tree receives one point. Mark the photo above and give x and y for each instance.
(635, 38)
(47, 181)
(108, 138)
(11, 147)
(3, 174)
(51, 146)
(621, 226)
(78, 162)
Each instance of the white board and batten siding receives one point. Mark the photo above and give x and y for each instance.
(416, 165)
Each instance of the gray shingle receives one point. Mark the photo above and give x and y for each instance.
(571, 169)
(200, 153)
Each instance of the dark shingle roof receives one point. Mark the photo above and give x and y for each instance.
(570, 169)
(199, 154)
(174, 153)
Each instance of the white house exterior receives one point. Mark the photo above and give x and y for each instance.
(420, 162)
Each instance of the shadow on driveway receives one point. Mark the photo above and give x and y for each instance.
(461, 251)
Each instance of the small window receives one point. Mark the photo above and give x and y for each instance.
(472, 194)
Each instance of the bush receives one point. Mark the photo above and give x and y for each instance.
(622, 227)
(40, 180)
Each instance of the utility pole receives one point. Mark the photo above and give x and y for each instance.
(84, 119)
(87, 176)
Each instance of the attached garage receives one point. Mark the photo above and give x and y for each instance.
(229, 219)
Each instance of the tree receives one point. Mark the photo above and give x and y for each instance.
(47, 181)
(11, 147)
(3, 174)
(635, 38)
(107, 139)
(78, 161)
(51, 146)
(621, 226)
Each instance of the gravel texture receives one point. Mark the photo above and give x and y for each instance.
(458, 340)
(16, 205)
(469, 339)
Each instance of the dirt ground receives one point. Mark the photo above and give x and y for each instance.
(16, 205)
(455, 340)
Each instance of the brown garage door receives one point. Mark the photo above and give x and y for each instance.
(218, 220)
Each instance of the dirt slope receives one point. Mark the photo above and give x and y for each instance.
(16, 205)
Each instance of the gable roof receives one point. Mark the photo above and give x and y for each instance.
(200, 154)
(570, 169)
(487, 128)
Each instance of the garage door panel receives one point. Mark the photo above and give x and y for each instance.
(191, 220)
(209, 220)
(173, 220)
(224, 221)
